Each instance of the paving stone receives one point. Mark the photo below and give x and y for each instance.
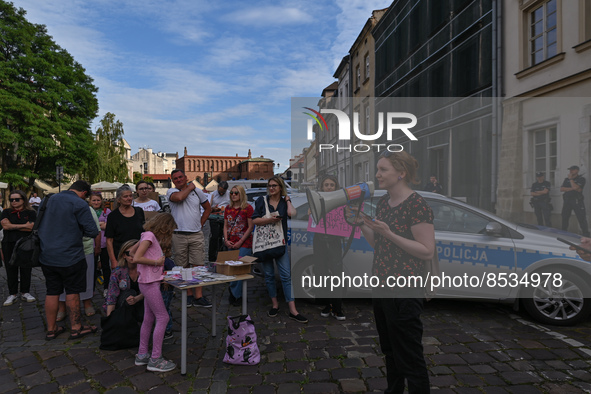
(250, 380)
(238, 390)
(283, 378)
(146, 381)
(288, 388)
(483, 369)
(44, 389)
(38, 378)
(344, 373)
(371, 373)
(377, 384)
(320, 388)
(352, 385)
(70, 379)
(329, 363)
(218, 388)
(443, 381)
(263, 390)
(441, 370)
(109, 379)
(447, 359)
(518, 377)
(318, 376)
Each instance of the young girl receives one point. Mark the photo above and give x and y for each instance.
(154, 245)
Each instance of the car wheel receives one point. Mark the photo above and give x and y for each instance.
(563, 305)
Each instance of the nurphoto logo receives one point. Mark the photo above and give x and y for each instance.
(344, 134)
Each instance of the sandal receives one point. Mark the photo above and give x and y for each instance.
(60, 316)
(51, 335)
(82, 332)
(89, 311)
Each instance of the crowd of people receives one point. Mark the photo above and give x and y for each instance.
(81, 240)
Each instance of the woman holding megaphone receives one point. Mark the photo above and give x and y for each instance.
(403, 238)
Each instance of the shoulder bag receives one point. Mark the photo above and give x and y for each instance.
(27, 249)
(268, 241)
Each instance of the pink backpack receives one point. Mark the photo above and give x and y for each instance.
(241, 342)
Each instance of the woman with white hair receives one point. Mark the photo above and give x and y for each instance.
(123, 223)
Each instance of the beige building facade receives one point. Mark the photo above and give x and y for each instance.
(546, 109)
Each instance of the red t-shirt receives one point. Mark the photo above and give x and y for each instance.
(237, 224)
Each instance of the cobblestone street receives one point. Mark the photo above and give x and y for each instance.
(469, 347)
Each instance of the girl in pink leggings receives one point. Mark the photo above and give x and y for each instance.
(154, 245)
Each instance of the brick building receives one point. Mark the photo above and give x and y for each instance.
(223, 168)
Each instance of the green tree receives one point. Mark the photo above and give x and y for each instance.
(137, 176)
(110, 164)
(48, 103)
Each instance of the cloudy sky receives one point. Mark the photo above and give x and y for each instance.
(216, 77)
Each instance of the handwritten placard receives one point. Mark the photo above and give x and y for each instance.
(335, 224)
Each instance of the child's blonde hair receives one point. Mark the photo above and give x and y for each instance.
(162, 225)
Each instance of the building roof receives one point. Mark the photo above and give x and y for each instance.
(259, 159)
(158, 177)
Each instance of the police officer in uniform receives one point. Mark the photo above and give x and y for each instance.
(572, 187)
(540, 191)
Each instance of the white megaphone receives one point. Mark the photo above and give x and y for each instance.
(323, 202)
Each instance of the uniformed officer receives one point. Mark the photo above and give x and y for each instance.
(540, 191)
(572, 187)
(433, 186)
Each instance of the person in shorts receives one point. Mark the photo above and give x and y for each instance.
(67, 219)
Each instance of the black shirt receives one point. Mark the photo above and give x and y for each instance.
(17, 217)
(538, 187)
(573, 194)
(122, 228)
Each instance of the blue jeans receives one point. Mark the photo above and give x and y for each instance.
(284, 268)
(236, 287)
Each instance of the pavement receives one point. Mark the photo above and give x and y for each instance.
(470, 347)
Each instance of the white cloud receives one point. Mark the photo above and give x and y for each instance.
(269, 16)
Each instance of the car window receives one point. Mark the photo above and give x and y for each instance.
(302, 212)
(453, 218)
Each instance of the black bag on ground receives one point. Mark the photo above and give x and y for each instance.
(120, 330)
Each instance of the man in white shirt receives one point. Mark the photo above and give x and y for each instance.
(35, 201)
(188, 241)
(219, 200)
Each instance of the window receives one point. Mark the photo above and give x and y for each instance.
(545, 148)
(367, 130)
(358, 77)
(366, 66)
(543, 32)
(456, 219)
(145, 168)
(366, 168)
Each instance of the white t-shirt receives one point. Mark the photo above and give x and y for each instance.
(220, 201)
(35, 201)
(148, 206)
(187, 213)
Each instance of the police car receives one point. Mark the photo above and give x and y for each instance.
(482, 257)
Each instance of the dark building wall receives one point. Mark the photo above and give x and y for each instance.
(442, 49)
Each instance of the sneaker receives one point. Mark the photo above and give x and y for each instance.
(202, 302)
(299, 318)
(10, 300)
(273, 312)
(28, 297)
(190, 301)
(326, 311)
(339, 316)
(142, 360)
(160, 365)
(168, 335)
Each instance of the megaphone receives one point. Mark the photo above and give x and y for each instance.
(323, 202)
